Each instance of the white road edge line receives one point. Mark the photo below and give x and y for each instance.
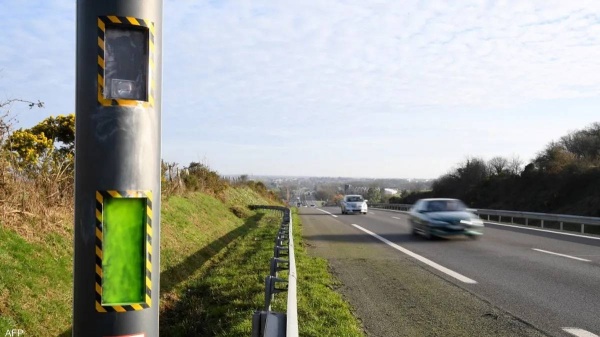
(428, 262)
(542, 230)
(395, 217)
(335, 216)
(390, 210)
(563, 255)
(580, 332)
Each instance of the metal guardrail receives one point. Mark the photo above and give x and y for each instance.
(397, 207)
(563, 222)
(266, 323)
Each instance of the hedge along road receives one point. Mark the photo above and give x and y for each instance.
(504, 284)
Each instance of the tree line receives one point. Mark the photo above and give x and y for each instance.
(562, 178)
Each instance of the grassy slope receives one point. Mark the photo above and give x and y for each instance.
(36, 274)
(195, 230)
(214, 257)
(35, 284)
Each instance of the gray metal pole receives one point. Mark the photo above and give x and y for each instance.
(117, 168)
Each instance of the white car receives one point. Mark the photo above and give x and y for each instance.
(354, 203)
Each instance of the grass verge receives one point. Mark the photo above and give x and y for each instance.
(321, 310)
(222, 301)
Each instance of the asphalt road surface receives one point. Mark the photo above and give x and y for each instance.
(509, 282)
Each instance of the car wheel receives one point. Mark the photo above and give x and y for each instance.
(427, 233)
(413, 230)
(473, 237)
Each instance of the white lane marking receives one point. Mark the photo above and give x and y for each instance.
(428, 262)
(542, 230)
(563, 255)
(580, 332)
(335, 216)
(395, 217)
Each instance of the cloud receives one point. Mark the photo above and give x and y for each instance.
(358, 55)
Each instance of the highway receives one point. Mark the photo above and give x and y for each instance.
(511, 281)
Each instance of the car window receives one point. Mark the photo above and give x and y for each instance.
(455, 205)
(354, 199)
(434, 206)
(445, 206)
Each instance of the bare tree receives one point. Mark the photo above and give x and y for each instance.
(515, 165)
(497, 165)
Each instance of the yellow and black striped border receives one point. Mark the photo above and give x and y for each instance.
(112, 20)
(100, 197)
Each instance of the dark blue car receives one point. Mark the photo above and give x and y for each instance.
(444, 218)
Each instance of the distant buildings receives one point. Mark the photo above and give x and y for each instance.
(390, 191)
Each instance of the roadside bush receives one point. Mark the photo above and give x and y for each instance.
(198, 177)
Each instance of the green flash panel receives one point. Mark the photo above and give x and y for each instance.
(123, 259)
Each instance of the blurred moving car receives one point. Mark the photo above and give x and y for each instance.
(353, 203)
(444, 218)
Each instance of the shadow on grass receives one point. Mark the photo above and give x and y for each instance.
(171, 277)
(181, 272)
(216, 305)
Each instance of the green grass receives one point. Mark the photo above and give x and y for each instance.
(321, 310)
(222, 301)
(194, 228)
(35, 284)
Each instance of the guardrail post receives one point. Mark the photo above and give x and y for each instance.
(275, 265)
(526, 221)
(561, 225)
(266, 323)
(271, 289)
(582, 228)
(542, 223)
(279, 251)
(258, 324)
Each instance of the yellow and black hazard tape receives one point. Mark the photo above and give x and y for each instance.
(113, 20)
(100, 197)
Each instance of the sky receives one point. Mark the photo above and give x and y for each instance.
(342, 88)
